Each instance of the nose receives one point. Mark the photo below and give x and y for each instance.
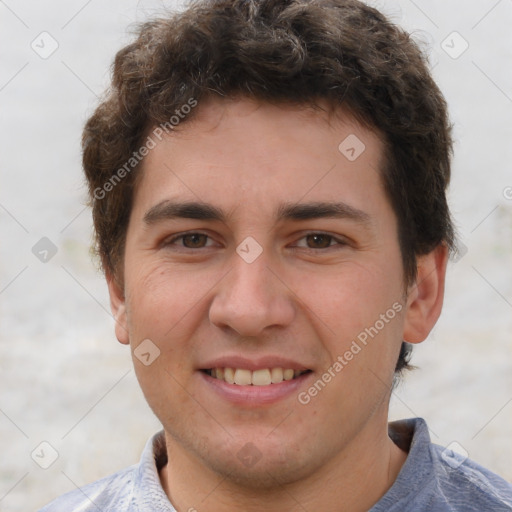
(251, 299)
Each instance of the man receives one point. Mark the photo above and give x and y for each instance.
(268, 185)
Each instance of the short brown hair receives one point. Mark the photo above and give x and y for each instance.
(280, 51)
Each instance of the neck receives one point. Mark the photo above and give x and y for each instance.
(353, 480)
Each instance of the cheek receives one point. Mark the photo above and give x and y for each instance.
(357, 313)
(163, 307)
(352, 298)
(162, 300)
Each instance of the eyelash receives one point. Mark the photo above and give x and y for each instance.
(337, 241)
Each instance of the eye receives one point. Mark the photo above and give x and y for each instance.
(319, 241)
(196, 240)
(190, 240)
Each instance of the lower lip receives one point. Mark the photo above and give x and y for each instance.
(255, 395)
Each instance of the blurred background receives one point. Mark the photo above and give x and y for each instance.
(64, 379)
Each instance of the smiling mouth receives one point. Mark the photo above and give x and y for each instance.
(263, 377)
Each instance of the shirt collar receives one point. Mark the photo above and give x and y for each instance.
(148, 495)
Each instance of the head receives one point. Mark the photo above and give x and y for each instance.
(270, 112)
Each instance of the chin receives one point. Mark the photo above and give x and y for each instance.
(259, 464)
(266, 474)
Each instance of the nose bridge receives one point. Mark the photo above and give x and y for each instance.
(250, 298)
(251, 279)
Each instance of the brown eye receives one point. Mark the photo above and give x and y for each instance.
(318, 241)
(194, 240)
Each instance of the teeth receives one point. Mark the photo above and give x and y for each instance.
(243, 377)
(276, 375)
(263, 377)
(229, 375)
(288, 374)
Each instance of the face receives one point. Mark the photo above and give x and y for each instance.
(263, 277)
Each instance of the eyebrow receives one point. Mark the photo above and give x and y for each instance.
(168, 210)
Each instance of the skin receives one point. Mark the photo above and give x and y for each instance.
(303, 298)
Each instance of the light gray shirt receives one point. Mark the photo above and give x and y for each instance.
(432, 479)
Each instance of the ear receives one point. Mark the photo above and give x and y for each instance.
(118, 308)
(425, 296)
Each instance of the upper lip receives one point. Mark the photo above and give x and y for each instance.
(253, 364)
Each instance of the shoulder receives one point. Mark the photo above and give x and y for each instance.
(438, 478)
(112, 493)
(468, 485)
(132, 489)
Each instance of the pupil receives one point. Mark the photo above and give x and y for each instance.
(194, 240)
(321, 241)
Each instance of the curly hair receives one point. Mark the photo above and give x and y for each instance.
(342, 52)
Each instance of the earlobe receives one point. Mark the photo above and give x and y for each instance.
(425, 296)
(118, 308)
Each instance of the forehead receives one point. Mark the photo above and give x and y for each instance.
(247, 156)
